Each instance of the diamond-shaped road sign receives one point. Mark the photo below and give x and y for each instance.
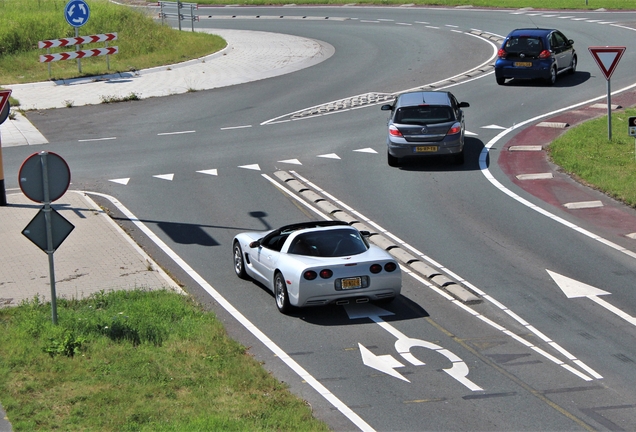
(607, 58)
(36, 230)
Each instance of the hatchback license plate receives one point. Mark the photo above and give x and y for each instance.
(523, 64)
(425, 149)
(351, 283)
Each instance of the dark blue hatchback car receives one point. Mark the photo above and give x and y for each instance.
(535, 53)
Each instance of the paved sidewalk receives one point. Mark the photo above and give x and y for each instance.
(98, 255)
(249, 56)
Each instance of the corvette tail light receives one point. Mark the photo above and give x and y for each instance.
(390, 266)
(544, 54)
(375, 268)
(455, 129)
(326, 273)
(502, 53)
(393, 131)
(310, 275)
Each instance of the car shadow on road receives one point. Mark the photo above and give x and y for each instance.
(472, 149)
(400, 309)
(563, 80)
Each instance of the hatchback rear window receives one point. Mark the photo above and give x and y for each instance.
(524, 44)
(426, 114)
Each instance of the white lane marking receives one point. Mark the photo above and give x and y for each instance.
(97, 139)
(247, 324)
(465, 282)
(483, 166)
(536, 176)
(366, 150)
(421, 22)
(123, 181)
(469, 133)
(329, 156)
(291, 161)
(255, 167)
(209, 172)
(369, 21)
(176, 133)
(493, 126)
(522, 148)
(168, 177)
(403, 24)
(236, 127)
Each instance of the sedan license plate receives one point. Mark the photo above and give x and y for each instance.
(523, 64)
(425, 149)
(351, 283)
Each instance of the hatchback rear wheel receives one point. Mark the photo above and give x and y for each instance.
(392, 160)
(553, 75)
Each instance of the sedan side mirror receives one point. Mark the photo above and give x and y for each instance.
(386, 108)
(464, 104)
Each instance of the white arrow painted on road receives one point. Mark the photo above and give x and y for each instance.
(168, 177)
(123, 181)
(291, 161)
(330, 156)
(384, 363)
(209, 172)
(574, 289)
(254, 167)
(366, 150)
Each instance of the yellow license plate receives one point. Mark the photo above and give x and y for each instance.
(424, 149)
(523, 64)
(351, 283)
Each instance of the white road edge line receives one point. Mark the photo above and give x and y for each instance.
(468, 309)
(299, 370)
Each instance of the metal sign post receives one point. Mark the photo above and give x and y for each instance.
(77, 13)
(607, 58)
(44, 177)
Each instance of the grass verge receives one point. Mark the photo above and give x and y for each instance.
(135, 360)
(609, 166)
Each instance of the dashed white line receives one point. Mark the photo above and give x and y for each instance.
(236, 127)
(176, 133)
(97, 139)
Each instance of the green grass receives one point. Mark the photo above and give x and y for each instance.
(142, 42)
(609, 166)
(136, 360)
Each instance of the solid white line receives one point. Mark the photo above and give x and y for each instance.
(300, 371)
(176, 133)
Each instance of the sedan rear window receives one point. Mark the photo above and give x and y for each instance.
(425, 114)
(332, 243)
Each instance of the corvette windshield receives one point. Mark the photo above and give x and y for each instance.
(331, 243)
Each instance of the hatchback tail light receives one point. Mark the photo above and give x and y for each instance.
(502, 53)
(393, 131)
(544, 54)
(455, 129)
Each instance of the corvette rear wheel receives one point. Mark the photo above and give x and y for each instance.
(280, 293)
(239, 261)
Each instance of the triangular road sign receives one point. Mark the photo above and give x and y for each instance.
(607, 58)
(4, 100)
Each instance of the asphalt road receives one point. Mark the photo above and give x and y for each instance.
(535, 360)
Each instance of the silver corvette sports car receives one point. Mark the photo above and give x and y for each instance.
(317, 263)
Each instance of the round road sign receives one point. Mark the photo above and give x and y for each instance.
(31, 176)
(76, 13)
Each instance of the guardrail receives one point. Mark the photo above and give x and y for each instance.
(179, 10)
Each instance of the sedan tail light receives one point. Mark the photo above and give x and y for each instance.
(393, 131)
(310, 275)
(545, 54)
(455, 129)
(390, 266)
(502, 53)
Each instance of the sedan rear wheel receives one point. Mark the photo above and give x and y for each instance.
(280, 293)
(392, 160)
(573, 65)
(239, 261)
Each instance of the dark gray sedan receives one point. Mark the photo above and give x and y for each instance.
(423, 124)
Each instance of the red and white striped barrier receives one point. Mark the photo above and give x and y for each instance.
(78, 54)
(53, 43)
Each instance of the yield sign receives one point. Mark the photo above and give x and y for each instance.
(607, 58)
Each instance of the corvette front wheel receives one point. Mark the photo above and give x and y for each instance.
(280, 294)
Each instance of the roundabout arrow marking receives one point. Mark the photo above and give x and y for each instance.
(575, 289)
